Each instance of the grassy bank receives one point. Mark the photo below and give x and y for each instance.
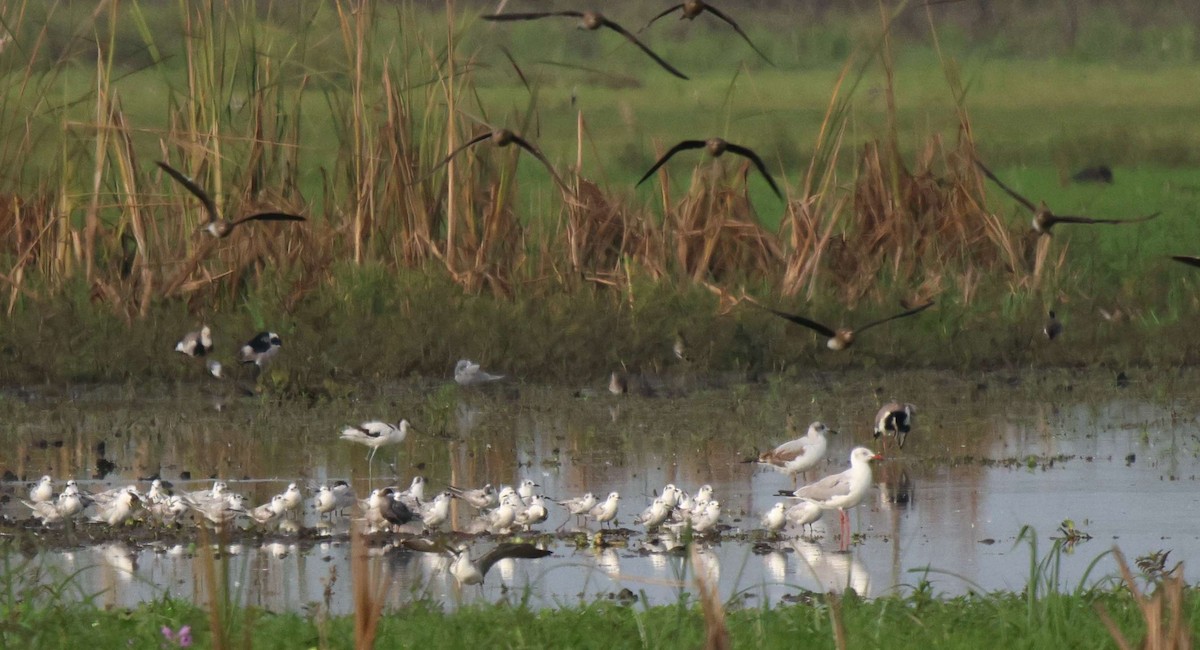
(342, 112)
(910, 622)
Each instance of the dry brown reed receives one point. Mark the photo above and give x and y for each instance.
(716, 634)
(1167, 626)
(369, 584)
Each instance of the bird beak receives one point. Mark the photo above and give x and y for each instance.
(877, 457)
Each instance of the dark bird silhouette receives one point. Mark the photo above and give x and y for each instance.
(1043, 218)
(844, 337)
(1053, 327)
(692, 8)
(216, 225)
(715, 147)
(591, 21)
(503, 138)
(395, 511)
(1097, 174)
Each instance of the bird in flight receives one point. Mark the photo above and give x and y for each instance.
(844, 337)
(472, 572)
(1190, 260)
(692, 8)
(1043, 218)
(503, 138)
(591, 21)
(216, 225)
(715, 147)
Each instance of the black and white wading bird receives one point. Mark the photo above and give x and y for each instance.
(376, 434)
(894, 420)
(260, 349)
(215, 224)
(715, 147)
(196, 344)
(844, 337)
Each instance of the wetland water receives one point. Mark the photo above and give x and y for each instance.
(990, 454)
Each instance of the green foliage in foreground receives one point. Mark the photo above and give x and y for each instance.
(915, 621)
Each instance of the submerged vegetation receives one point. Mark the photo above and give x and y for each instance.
(342, 112)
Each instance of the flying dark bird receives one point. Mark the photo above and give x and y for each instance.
(843, 338)
(260, 349)
(503, 138)
(689, 9)
(715, 147)
(216, 225)
(591, 21)
(1043, 218)
(1097, 174)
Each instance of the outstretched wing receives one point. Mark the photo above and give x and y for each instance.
(424, 545)
(749, 154)
(1011, 192)
(800, 320)
(522, 143)
(1069, 219)
(664, 13)
(532, 15)
(1187, 259)
(196, 190)
(729, 21)
(633, 39)
(519, 551)
(475, 140)
(270, 216)
(682, 146)
(900, 315)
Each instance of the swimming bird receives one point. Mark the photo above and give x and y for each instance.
(715, 147)
(844, 337)
(844, 490)
(376, 434)
(502, 138)
(605, 511)
(1053, 327)
(43, 490)
(689, 9)
(216, 225)
(260, 349)
(197, 343)
(1043, 218)
(467, 373)
(895, 420)
(472, 572)
(799, 455)
(591, 21)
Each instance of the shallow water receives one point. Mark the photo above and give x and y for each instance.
(991, 454)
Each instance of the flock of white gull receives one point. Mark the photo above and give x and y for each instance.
(500, 512)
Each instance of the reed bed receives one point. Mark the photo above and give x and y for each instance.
(239, 103)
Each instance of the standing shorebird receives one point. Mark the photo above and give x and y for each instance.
(579, 506)
(775, 519)
(260, 349)
(468, 373)
(894, 420)
(197, 343)
(43, 490)
(376, 434)
(591, 21)
(799, 455)
(216, 225)
(689, 9)
(715, 147)
(502, 138)
(844, 337)
(606, 511)
(1043, 218)
(844, 490)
